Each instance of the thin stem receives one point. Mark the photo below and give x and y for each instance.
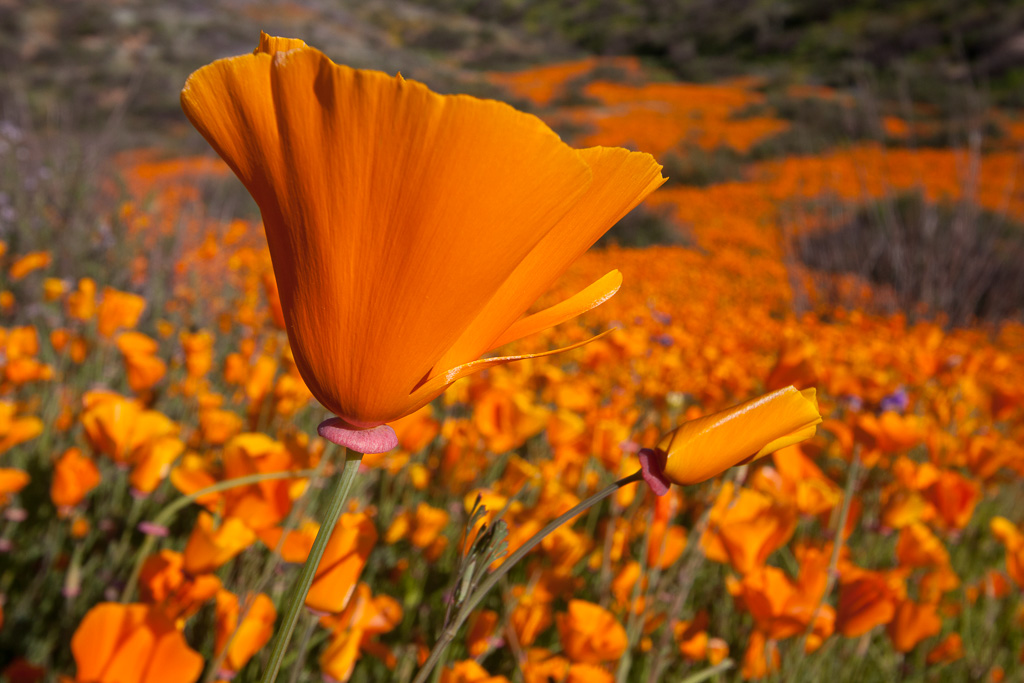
(704, 675)
(290, 523)
(687, 575)
(340, 488)
(492, 579)
(300, 660)
(837, 546)
(166, 515)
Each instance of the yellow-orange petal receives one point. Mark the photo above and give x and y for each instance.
(438, 383)
(393, 214)
(118, 643)
(581, 302)
(700, 449)
(622, 179)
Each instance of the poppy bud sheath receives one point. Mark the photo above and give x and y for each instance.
(409, 231)
(699, 449)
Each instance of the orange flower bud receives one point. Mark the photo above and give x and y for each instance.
(702, 448)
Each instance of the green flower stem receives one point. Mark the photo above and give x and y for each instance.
(492, 579)
(340, 487)
(166, 516)
(289, 525)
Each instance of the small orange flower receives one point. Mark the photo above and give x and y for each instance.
(913, 623)
(950, 649)
(378, 195)
(354, 629)
(11, 481)
(118, 310)
(28, 263)
(865, 602)
(209, 548)
(699, 449)
(74, 475)
(164, 583)
(480, 630)
(590, 634)
(468, 671)
(247, 638)
(118, 643)
(744, 531)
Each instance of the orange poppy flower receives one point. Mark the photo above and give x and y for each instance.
(950, 649)
(11, 481)
(591, 634)
(209, 548)
(74, 475)
(164, 583)
(864, 603)
(468, 671)
(253, 633)
(913, 623)
(409, 231)
(118, 643)
(351, 542)
(699, 449)
(354, 630)
(28, 263)
(744, 530)
(118, 310)
(480, 632)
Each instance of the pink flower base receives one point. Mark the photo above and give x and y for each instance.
(652, 465)
(379, 439)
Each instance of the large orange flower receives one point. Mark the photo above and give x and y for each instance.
(409, 231)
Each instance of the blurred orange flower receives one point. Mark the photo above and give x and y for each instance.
(354, 630)
(913, 623)
(118, 643)
(118, 310)
(209, 548)
(744, 531)
(468, 671)
(865, 602)
(28, 263)
(591, 634)
(378, 195)
(74, 475)
(11, 481)
(246, 638)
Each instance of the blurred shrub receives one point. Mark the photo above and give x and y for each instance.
(950, 259)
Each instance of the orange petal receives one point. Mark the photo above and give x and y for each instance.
(701, 448)
(393, 214)
(438, 383)
(622, 179)
(581, 302)
(100, 634)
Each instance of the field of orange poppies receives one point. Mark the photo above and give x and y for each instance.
(162, 481)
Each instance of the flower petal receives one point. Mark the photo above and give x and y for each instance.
(581, 302)
(438, 383)
(622, 179)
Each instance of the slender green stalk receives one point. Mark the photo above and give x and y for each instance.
(492, 579)
(290, 523)
(693, 558)
(704, 675)
(340, 487)
(300, 659)
(166, 516)
(852, 477)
